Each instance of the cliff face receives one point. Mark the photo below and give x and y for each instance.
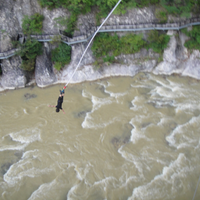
(12, 12)
(176, 58)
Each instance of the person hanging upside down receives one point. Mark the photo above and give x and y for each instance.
(60, 101)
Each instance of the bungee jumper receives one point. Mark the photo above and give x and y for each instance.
(60, 101)
(60, 98)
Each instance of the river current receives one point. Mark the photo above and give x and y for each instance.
(134, 138)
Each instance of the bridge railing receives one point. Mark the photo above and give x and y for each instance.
(154, 25)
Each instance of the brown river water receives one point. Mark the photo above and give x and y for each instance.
(134, 138)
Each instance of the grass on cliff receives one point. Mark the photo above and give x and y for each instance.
(194, 41)
(61, 56)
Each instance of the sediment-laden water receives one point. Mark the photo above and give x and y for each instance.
(121, 138)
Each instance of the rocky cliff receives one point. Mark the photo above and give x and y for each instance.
(176, 58)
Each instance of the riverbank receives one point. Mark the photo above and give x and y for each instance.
(176, 59)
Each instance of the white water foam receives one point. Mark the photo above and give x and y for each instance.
(27, 168)
(90, 124)
(136, 102)
(183, 136)
(41, 191)
(24, 137)
(86, 94)
(28, 135)
(71, 192)
(106, 181)
(138, 134)
(13, 147)
(165, 186)
(133, 159)
(97, 104)
(82, 172)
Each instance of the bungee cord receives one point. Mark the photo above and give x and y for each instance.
(196, 188)
(91, 42)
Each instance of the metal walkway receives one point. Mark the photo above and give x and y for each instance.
(110, 28)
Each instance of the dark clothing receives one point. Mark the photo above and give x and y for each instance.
(59, 103)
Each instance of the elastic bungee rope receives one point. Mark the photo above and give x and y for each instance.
(91, 42)
(196, 188)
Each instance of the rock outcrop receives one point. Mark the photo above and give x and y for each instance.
(44, 74)
(13, 77)
(177, 59)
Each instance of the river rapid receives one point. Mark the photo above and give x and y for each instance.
(135, 138)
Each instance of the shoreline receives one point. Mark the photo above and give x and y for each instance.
(33, 84)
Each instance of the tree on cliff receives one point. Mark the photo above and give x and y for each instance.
(28, 52)
(32, 24)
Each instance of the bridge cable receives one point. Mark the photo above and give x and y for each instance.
(91, 41)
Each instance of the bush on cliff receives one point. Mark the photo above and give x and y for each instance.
(28, 65)
(106, 46)
(32, 24)
(61, 56)
(161, 15)
(194, 41)
(157, 41)
(28, 52)
(68, 23)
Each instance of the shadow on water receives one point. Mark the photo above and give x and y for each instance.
(119, 141)
(28, 96)
(81, 114)
(9, 160)
(157, 103)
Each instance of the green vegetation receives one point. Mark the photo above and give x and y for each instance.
(31, 48)
(28, 52)
(32, 24)
(194, 41)
(61, 55)
(181, 7)
(102, 7)
(3, 31)
(105, 46)
(56, 39)
(156, 41)
(68, 23)
(161, 15)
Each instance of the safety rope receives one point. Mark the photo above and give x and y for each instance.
(91, 42)
(196, 188)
